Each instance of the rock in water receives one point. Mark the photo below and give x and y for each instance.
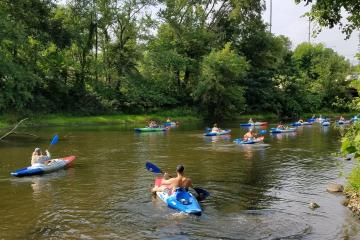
(313, 205)
(345, 201)
(333, 187)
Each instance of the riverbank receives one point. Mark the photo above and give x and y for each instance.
(273, 116)
(180, 115)
(68, 120)
(352, 189)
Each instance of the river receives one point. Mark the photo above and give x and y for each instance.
(257, 191)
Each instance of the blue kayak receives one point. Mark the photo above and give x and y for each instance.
(354, 119)
(296, 124)
(311, 120)
(180, 200)
(250, 141)
(169, 124)
(38, 168)
(325, 123)
(253, 124)
(223, 132)
(278, 130)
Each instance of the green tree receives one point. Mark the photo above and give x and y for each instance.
(219, 91)
(329, 13)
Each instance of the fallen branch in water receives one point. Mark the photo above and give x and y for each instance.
(12, 130)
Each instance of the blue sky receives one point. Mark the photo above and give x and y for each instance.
(287, 21)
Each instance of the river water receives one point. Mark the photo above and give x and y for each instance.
(257, 191)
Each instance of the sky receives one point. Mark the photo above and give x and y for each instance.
(287, 21)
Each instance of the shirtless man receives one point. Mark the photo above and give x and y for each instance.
(215, 128)
(179, 181)
(249, 135)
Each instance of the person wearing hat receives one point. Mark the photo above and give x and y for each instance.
(249, 135)
(180, 181)
(38, 157)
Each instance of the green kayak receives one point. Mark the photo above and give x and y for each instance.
(148, 129)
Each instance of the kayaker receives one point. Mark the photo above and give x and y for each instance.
(180, 181)
(249, 135)
(301, 120)
(215, 128)
(38, 157)
(280, 126)
(168, 120)
(152, 124)
(342, 118)
(251, 121)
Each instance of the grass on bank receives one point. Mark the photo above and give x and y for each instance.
(65, 119)
(353, 183)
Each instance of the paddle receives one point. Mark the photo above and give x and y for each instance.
(155, 169)
(54, 140)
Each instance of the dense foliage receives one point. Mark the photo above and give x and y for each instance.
(135, 56)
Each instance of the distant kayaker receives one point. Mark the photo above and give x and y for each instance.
(280, 126)
(342, 118)
(251, 121)
(215, 128)
(152, 124)
(180, 181)
(168, 120)
(249, 135)
(301, 120)
(38, 157)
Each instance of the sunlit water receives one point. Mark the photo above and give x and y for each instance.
(257, 191)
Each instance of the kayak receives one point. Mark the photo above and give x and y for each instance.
(251, 141)
(253, 124)
(39, 168)
(169, 124)
(343, 122)
(295, 124)
(278, 130)
(354, 119)
(325, 123)
(180, 200)
(149, 129)
(223, 132)
(311, 120)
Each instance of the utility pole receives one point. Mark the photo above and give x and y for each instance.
(270, 15)
(309, 34)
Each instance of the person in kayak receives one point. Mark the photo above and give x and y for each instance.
(280, 126)
(301, 120)
(251, 121)
(180, 181)
(215, 128)
(38, 157)
(342, 118)
(152, 124)
(249, 135)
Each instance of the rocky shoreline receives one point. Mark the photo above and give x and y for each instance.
(353, 202)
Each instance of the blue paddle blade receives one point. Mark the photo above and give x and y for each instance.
(152, 167)
(262, 132)
(54, 140)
